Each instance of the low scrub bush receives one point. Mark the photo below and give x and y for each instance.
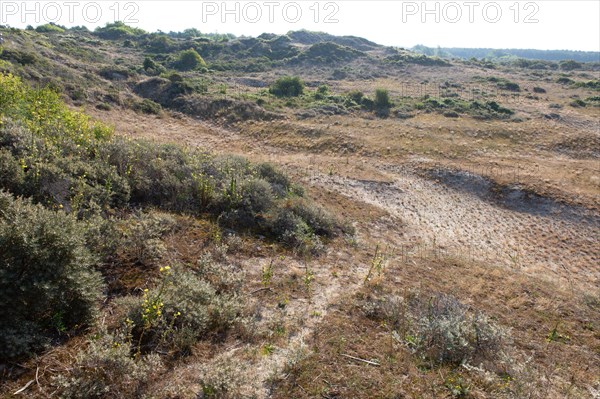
(117, 30)
(287, 86)
(50, 28)
(189, 60)
(143, 235)
(446, 331)
(147, 106)
(382, 99)
(47, 278)
(68, 162)
(106, 369)
(439, 328)
(184, 307)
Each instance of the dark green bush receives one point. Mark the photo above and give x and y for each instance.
(117, 30)
(293, 231)
(320, 221)
(280, 183)
(356, 96)
(451, 114)
(382, 99)
(510, 86)
(287, 86)
(569, 65)
(245, 205)
(539, 90)
(152, 67)
(11, 172)
(147, 106)
(564, 80)
(160, 44)
(47, 281)
(189, 60)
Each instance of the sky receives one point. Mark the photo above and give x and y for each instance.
(546, 25)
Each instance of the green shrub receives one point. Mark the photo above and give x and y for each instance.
(160, 44)
(590, 84)
(356, 96)
(293, 231)
(53, 121)
(153, 68)
(60, 159)
(578, 103)
(49, 28)
(12, 176)
(189, 60)
(47, 279)
(564, 80)
(451, 114)
(143, 235)
(280, 183)
(320, 221)
(244, 206)
(62, 176)
(510, 86)
(569, 65)
(539, 90)
(117, 30)
(147, 106)
(103, 106)
(184, 307)
(382, 99)
(106, 369)
(287, 86)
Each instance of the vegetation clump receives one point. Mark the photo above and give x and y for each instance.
(189, 60)
(287, 86)
(48, 283)
(440, 329)
(118, 30)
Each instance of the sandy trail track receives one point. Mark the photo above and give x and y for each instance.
(561, 243)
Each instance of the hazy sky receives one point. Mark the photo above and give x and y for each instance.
(549, 24)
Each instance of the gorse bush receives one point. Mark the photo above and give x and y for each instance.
(382, 99)
(49, 28)
(189, 60)
(287, 86)
(64, 160)
(44, 114)
(117, 30)
(47, 281)
(64, 176)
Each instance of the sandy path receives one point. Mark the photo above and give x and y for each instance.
(459, 222)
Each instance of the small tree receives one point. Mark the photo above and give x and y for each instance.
(287, 86)
(189, 60)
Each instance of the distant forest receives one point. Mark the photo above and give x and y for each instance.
(488, 53)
